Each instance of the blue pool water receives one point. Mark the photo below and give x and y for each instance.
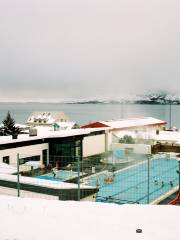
(61, 175)
(131, 184)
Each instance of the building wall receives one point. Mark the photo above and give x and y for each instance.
(13, 192)
(137, 148)
(144, 128)
(93, 145)
(27, 151)
(28, 194)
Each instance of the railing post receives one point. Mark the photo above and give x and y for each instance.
(170, 113)
(18, 182)
(148, 182)
(78, 193)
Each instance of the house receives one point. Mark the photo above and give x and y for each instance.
(46, 118)
(131, 128)
(145, 124)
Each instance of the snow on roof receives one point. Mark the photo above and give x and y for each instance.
(66, 124)
(43, 182)
(45, 133)
(173, 136)
(167, 136)
(133, 122)
(52, 219)
(35, 164)
(47, 117)
(7, 169)
(21, 126)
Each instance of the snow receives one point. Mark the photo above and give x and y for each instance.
(133, 122)
(27, 219)
(45, 133)
(43, 182)
(34, 164)
(7, 169)
(172, 136)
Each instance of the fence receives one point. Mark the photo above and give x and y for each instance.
(136, 179)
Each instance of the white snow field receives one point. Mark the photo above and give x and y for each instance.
(36, 219)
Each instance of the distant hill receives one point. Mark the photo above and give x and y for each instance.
(151, 98)
(157, 98)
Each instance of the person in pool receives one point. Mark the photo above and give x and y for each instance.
(162, 184)
(54, 174)
(171, 183)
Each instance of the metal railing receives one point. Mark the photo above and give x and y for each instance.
(133, 179)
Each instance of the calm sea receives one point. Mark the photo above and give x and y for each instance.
(85, 113)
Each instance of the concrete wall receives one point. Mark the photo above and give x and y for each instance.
(137, 148)
(13, 192)
(145, 128)
(28, 194)
(93, 145)
(27, 151)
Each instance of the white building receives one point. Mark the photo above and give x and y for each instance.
(46, 118)
(145, 124)
(48, 147)
(133, 127)
(62, 147)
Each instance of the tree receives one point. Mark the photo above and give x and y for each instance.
(9, 127)
(127, 139)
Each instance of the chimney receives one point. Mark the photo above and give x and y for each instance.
(32, 132)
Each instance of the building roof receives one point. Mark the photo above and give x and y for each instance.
(45, 133)
(7, 169)
(43, 182)
(127, 123)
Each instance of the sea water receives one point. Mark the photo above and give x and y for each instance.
(86, 113)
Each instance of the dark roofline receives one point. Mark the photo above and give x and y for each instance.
(37, 141)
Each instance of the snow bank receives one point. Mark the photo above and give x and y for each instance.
(36, 219)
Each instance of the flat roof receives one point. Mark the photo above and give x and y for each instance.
(43, 182)
(7, 169)
(133, 122)
(45, 133)
(126, 123)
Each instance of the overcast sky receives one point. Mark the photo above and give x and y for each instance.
(76, 49)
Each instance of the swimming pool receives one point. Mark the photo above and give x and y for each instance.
(130, 185)
(61, 175)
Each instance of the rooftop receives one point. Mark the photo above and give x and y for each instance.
(42, 182)
(44, 132)
(127, 123)
(133, 122)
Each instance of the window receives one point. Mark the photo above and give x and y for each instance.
(6, 159)
(44, 154)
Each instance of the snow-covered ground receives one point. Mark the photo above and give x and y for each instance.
(36, 219)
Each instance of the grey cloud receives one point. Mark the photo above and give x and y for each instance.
(77, 49)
